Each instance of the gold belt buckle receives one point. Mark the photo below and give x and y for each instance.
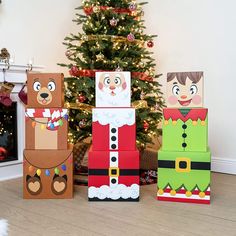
(183, 160)
(114, 171)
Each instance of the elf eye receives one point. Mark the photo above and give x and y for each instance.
(193, 89)
(107, 81)
(51, 86)
(117, 81)
(175, 90)
(36, 86)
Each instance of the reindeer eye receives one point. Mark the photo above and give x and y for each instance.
(36, 86)
(175, 90)
(107, 81)
(117, 81)
(51, 86)
(193, 89)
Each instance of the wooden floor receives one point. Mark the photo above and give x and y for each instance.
(147, 217)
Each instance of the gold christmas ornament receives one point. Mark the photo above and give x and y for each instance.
(99, 57)
(96, 9)
(85, 37)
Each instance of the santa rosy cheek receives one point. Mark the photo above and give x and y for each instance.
(100, 85)
(197, 99)
(124, 85)
(172, 100)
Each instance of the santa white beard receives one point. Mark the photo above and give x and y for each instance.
(104, 98)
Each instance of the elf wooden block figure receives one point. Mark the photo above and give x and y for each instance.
(184, 159)
(48, 164)
(113, 158)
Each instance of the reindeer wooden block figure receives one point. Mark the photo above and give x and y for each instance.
(48, 164)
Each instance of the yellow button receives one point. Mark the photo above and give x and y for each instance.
(188, 194)
(203, 123)
(194, 122)
(174, 122)
(172, 192)
(202, 194)
(166, 122)
(160, 191)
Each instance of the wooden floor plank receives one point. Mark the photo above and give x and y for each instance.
(151, 217)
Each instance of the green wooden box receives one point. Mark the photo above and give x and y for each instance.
(184, 176)
(185, 129)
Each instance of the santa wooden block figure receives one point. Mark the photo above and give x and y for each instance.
(48, 164)
(113, 158)
(184, 161)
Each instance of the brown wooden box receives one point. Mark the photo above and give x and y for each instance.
(48, 174)
(46, 128)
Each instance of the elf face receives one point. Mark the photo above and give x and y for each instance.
(112, 83)
(187, 95)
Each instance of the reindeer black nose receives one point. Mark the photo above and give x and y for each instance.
(44, 95)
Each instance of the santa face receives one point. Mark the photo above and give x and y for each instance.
(112, 84)
(113, 89)
(187, 95)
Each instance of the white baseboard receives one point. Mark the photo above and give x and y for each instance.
(11, 171)
(223, 165)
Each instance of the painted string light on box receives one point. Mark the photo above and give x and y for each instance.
(54, 121)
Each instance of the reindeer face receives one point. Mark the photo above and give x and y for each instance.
(45, 90)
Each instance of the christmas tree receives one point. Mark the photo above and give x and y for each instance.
(113, 38)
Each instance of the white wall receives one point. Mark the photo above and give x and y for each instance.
(193, 35)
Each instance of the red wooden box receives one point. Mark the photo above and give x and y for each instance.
(114, 129)
(113, 175)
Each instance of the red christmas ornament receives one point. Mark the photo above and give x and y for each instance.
(68, 53)
(82, 124)
(113, 22)
(81, 98)
(150, 44)
(130, 37)
(145, 125)
(132, 6)
(74, 71)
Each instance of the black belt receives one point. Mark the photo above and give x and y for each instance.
(123, 172)
(194, 165)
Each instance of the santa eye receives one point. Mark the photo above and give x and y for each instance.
(175, 90)
(107, 81)
(51, 86)
(36, 86)
(193, 89)
(117, 81)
